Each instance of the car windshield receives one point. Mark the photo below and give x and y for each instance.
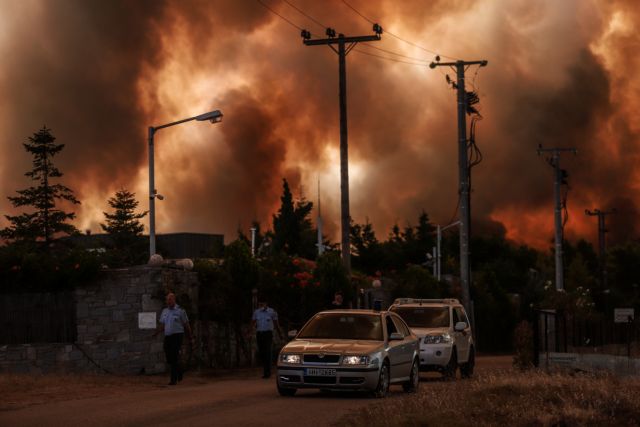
(424, 317)
(343, 326)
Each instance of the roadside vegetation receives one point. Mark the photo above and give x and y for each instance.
(511, 398)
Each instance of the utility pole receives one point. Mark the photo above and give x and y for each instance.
(253, 241)
(559, 179)
(602, 229)
(464, 173)
(319, 224)
(345, 45)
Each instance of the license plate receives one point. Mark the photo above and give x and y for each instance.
(320, 372)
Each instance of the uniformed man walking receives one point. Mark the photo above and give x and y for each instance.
(265, 320)
(173, 322)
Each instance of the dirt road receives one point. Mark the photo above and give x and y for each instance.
(228, 402)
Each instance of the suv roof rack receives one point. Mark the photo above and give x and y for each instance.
(400, 301)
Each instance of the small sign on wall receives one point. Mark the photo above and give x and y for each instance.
(623, 315)
(147, 320)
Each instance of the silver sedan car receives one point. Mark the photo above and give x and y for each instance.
(350, 350)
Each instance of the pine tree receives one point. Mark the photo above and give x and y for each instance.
(128, 247)
(293, 231)
(124, 223)
(46, 221)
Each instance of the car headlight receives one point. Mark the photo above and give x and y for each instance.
(437, 339)
(355, 360)
(290, 358)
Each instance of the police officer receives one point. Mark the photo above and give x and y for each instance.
(173, 322)
(264, 321)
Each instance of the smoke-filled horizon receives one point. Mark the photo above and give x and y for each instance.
(99, 73)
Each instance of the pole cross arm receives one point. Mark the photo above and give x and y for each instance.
(556, 150)
(342, 39)
(482, 63)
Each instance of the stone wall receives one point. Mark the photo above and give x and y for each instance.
(109, 338)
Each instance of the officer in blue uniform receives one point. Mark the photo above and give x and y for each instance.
(265, 320)
(173, 322)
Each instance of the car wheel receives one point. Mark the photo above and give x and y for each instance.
(383, 382)
(411, 386)
(466, 370)
(286, 391)
(451, 368)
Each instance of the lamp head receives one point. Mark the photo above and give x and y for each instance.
(212, 116)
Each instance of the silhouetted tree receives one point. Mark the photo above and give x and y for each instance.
(124, 222)
(125, 229)
(367, 252)
(46, 220)
(293, 232)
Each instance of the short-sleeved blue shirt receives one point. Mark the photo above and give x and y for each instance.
(173, 320)
(265, 318)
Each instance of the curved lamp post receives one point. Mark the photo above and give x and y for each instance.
(213, 117)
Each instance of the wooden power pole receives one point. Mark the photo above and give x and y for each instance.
(344, 46)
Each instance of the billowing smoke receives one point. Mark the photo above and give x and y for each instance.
(98, 73)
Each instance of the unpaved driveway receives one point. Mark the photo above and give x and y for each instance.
(226, 402)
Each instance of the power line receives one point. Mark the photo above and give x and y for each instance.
(426, 61)
(420, 62)
(389, 59)
(315, 21)
(320, 24)
(395, 35)
(281, 17)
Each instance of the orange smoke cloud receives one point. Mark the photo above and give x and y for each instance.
(99, 74)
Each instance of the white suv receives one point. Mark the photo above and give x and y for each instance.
(446, 341)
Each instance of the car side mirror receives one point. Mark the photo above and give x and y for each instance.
(292, 333)
(396, 336)
(460, 326)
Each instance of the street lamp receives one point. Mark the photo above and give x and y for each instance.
(439, 240)
(213, 117)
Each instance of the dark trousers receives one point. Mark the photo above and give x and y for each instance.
(265, 338)
(172, 346)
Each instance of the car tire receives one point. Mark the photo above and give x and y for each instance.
(382, 389)
(411, 386)
(287, 392)
(449, 372)
(466, 369)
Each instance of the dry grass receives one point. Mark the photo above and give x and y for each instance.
(19, 390)
(511, 398)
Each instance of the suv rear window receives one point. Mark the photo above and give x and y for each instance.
(424, 317)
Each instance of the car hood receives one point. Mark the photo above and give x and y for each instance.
(333, 346)
(421, 332)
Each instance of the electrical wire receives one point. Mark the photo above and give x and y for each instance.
(320, 24)
(315, 21)
(277, 14)
(395, 35)
(420, 62)
(425, 61)
(389, 59)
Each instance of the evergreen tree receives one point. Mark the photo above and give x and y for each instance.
(124, 223)
(125, 229)
(292, 228)
(46, 220)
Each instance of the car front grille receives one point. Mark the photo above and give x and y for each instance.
(319, 380)
(321, 358)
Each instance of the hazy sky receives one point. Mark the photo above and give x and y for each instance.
(98, 73)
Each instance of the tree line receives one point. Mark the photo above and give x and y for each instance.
(508, 280)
